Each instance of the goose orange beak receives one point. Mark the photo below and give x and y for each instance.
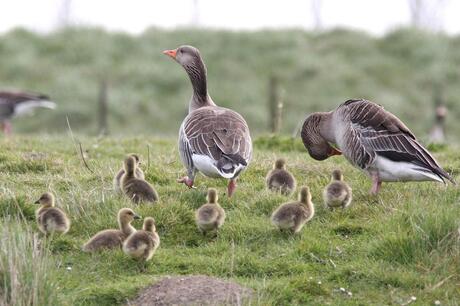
(334, 151)
(171, 53)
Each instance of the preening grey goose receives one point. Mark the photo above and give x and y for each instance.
(373, 140)
(212, 139)
(14, 104)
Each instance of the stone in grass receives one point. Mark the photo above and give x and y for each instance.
(193, 290)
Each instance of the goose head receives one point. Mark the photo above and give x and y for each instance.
(130, 164)
(185, 55)
(304, 195)
(318, 147)
(127, 215)
(212, 196)
(149, 225)
(46, 199)
(280, 163)
(136, 158)
(337, 175)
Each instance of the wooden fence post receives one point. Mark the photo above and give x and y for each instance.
(103, 108)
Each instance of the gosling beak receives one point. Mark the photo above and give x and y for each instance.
(171, 53)
(137, 217)
(334, 151)
(37, 202)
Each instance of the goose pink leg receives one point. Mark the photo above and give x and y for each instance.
(187, 181)
(376, 183)
(231, 187)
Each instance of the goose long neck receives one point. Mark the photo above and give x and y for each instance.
(126, 227)
(197, 74)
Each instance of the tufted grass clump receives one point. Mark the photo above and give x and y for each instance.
(26, 271)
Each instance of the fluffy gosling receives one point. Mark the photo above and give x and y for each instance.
(143, 244)
(210, 216)
(337, 193)
(293, 216)
(117, 179)
(113, 238)
(279, 179)
(136, 189)
(51, 219)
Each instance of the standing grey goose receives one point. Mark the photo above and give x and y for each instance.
(212, 139)
(14, 104)
(373, 140)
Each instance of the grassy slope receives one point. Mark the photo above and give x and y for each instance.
(384, 250)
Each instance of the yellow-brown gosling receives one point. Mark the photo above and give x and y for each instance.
(337, 193)
(136, 189)
(143, 244)
(113, 238)
(51, 219)
(117, 179)
(210, 216)
(279, 179)
(293, 216)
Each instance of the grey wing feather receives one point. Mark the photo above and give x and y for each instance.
(218, 132)
(373, 130)
(185, 151)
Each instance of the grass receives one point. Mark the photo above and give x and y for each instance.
(26, 271)
(383, 250)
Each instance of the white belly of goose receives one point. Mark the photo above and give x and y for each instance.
(207, 166)
(391, 171)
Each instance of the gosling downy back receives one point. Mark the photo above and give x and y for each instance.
(293, 215)
(143, 244)
(113, 238)
(337, 193)
(210, 216)
(279, 179)
(51, 219)
(136, 189)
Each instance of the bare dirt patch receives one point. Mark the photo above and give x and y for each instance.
(192, 290)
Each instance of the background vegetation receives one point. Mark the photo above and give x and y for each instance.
(148, 92)
(384, 250)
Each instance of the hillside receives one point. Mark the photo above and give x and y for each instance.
(383, 250)
(148, 92)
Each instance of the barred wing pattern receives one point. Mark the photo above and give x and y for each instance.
(216, 132)
(372, 130)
